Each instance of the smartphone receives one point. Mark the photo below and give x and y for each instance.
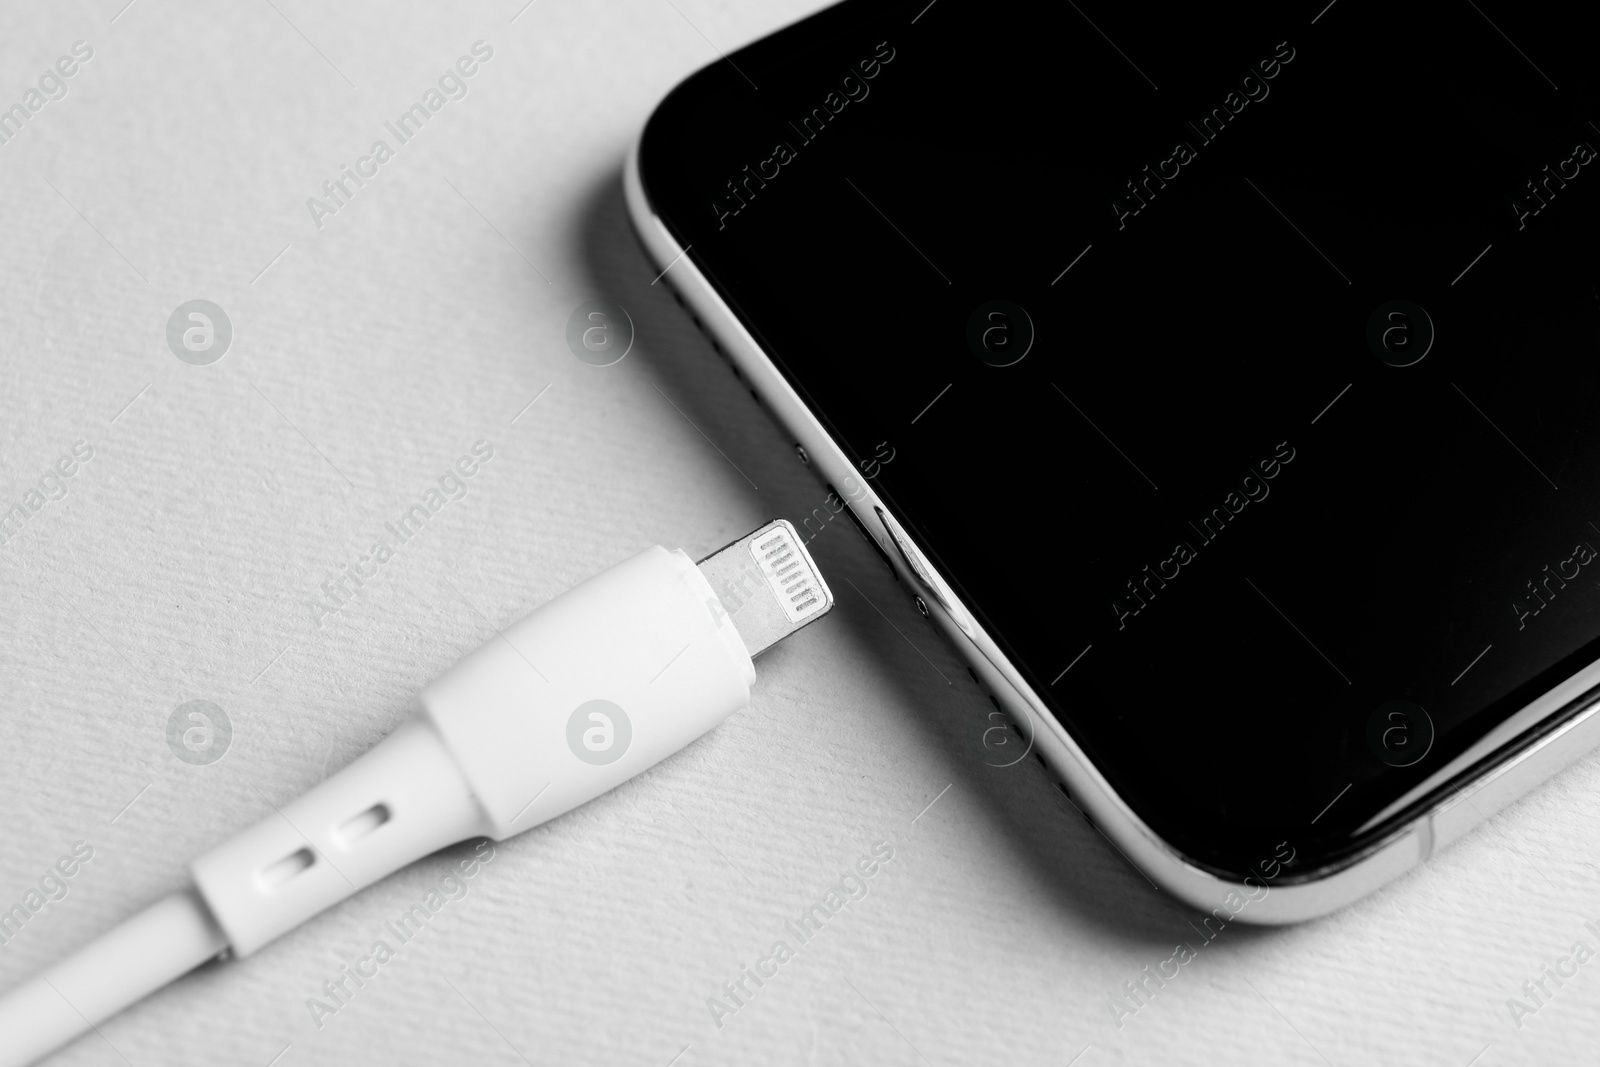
(1224, 384)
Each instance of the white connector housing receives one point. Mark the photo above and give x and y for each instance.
(646, 636)
(595, 686)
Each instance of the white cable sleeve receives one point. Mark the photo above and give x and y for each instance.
(164, 941)
(403, 800)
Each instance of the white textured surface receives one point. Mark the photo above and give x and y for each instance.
(180, 563)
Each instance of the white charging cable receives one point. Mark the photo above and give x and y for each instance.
(597, 685)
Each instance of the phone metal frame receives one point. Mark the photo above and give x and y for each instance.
(1504, 780)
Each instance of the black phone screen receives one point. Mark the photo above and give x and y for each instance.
(1239, 368)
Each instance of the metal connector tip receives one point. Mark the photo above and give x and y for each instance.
(768, 584)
